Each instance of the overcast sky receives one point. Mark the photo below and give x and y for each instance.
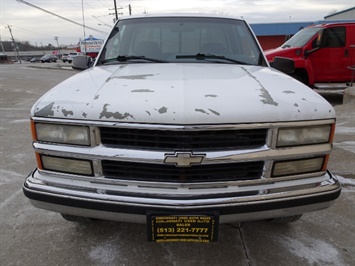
(30, 24)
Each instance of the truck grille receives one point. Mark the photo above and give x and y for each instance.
(182, 139)
(171, 173)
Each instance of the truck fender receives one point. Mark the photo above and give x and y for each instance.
(304, 69)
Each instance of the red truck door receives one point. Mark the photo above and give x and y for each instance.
(330, 62)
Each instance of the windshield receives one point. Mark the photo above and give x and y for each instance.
(181, 39)
(301, 37)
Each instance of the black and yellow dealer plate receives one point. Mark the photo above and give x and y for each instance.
(168, 227)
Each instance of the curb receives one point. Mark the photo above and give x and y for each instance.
(349, 95)
(57, 67)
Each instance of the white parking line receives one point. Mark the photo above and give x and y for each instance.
(346, 145)
(345, 130)
(345, 181)
(9, 199)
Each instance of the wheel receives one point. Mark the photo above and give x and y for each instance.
(300, 78)
(286, 219)
(77, 219)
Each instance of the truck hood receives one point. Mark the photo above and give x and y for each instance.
(182, 93)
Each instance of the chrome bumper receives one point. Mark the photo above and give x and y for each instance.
(107, 204)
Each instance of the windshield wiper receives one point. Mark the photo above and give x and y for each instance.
(125, 58)
(200, 56)
(286, 46)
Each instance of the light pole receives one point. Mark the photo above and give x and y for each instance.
(56, 39)
(42, 48)
(17, 56)
(2, 46)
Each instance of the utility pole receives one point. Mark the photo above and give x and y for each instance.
(2, 45)
(17, 56)
(56, 39)
(42, 48)
(114, 1)
(116, 14)
(130, 9)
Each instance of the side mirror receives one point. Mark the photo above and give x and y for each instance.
(283, 64)
(308, 52)
(81, 62)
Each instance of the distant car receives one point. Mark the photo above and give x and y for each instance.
(35, 60)
(48, 58)
(72, 55)
(65, 58)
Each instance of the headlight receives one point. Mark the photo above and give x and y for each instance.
(77, 135)
(67, 165)
(298, 167)
(304, 136)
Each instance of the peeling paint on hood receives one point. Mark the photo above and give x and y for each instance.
(142, 90)
(116, 115)
(266, 98)
(183, 93)
(45, 110)
(132, 77)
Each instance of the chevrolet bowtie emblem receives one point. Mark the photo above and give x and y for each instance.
(183, 159)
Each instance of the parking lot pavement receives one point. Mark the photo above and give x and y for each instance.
(30, 236)
(343, 155)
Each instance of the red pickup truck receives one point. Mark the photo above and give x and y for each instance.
(322, 53)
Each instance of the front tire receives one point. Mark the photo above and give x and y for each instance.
(286, 219)
(301, 75)
(77, 219)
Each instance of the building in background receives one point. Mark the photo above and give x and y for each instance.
(347, 14)
(272, 35)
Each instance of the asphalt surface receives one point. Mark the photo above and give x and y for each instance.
(30, 236)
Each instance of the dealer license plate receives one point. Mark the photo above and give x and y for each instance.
(163, 227)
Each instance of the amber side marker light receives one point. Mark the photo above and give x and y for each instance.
(326, 158)
(34, 138)
(39, 161)
(325, 163)
(332, 133)
(33, 131)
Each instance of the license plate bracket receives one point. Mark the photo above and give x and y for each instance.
(173, 227)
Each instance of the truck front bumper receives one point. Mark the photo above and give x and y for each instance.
(108, 205)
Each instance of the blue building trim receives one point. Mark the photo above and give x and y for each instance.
(274, 29)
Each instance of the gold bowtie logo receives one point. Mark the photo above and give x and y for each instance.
(183, 159)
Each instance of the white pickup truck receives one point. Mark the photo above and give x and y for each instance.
(181, 124)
